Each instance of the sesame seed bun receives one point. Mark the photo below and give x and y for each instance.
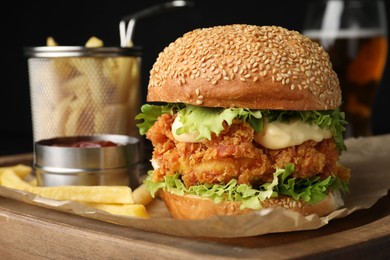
(195, 207)
(247, 66)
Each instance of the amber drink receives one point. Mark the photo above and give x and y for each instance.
(359, 60)
(354, 33)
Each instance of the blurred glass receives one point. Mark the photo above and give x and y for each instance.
(354, 33)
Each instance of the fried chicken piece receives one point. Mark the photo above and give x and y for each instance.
(234, 154)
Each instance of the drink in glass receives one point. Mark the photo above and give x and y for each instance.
(354, 34)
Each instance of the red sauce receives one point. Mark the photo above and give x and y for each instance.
(90, 144)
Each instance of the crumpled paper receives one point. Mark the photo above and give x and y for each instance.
(369, 161)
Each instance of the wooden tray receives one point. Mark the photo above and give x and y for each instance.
(36, 233)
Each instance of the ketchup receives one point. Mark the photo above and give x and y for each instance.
(91, 144)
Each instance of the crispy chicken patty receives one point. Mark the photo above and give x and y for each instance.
(234, 155)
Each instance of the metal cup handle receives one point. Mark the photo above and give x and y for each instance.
(126, 25)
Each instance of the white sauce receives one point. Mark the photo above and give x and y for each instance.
(186, 137)
(275, 135)
(154, 164)
(278, 135)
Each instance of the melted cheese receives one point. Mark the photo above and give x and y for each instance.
(186, 137)
(278, 135)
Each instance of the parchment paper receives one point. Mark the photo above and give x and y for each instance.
(368, 158)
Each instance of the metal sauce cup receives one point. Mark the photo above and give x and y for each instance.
(57, 163)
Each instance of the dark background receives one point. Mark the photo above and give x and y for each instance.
(73, 22)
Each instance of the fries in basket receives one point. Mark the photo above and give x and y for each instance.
(97, 91)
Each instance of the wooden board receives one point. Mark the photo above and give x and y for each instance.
(38, 233)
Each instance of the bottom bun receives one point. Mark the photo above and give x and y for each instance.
(195, 207)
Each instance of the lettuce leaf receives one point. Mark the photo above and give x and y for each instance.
(150, 113)
(205, 120)
(310, 190)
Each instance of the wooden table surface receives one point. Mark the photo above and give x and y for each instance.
(39, 233)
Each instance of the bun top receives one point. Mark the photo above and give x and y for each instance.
(247, 66)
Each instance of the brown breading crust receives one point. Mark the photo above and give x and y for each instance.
(234, 154)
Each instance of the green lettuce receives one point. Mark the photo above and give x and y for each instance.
(206, 120)
(149, 115)
(311, 190)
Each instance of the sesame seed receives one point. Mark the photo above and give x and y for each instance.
(239, 52)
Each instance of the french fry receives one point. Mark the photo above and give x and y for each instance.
(94, 42)
(92, 67)
(141, 195)
(123, 73)
(117, 200)
(110, 69)
(20, 170)
(76, 87)
(94, 194)
(63, 70)
(51, 42)
(61, 114)
(81, 118)
(134, 210)
(112, 118)
(33, 182)
(90, 95)
(10, 179)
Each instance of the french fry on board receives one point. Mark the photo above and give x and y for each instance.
(142, 196)
(117, 200)
(94, 194)
(33, 182)
(10, 179)
(20, 170)
(133, 210)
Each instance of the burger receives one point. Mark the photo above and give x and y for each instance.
(244, 117)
